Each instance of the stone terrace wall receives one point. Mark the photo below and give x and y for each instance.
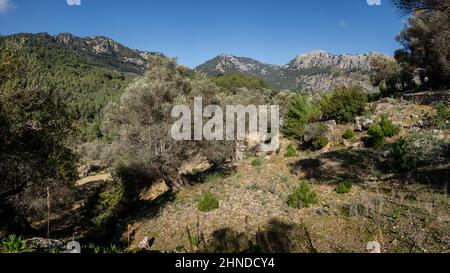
(426, 97)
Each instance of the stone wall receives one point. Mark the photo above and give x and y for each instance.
(426, 97)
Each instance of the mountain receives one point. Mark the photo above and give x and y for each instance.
(225, 64)
(87, 73)
(96, 50)
(107, 52)
(313, 71)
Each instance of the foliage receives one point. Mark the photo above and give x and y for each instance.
(319, 143)
(108, 205)
(13, 244)
(376, 136)
(96, 249)
(388, 127)
(303, 196)
(300, 112)
(290, 151)
(257, 163)
(403, 160)
(344, 187)
(442, 119)
(230, 83)
(349, 134)
(380, 130)
(345, 104)
(425, 42)
(416, 149)
(315, 136)
(207, 202)
(83, 83)
(139, 125)
(33, 132)
(386, 74)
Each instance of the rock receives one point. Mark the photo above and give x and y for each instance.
(155, 191)
(196, 164)
(73, 247)
(90, 168)
(42, 243)
(146, 243)
(331, 128)
(374, 247)
(363, 124)
(357, 145)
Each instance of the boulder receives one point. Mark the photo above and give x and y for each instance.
(154, 191)
(90, 168)
(195, 165)
(363, 124)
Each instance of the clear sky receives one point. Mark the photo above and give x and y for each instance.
(272, 31)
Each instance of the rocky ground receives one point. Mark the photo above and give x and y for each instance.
(406, 213)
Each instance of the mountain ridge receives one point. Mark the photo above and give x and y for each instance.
(312, 71)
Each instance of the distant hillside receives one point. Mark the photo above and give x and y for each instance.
(88, 73)
(96, 50)
(314, 71)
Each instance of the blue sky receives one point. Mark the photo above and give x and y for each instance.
(272, 31)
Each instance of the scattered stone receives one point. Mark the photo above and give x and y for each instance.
(90, 168)
(42, 243)
(146, 243)
(374, 247)
(155, 191)
(363, 124)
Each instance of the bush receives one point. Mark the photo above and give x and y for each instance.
(320, 143)
(290, 151)
(376, 136)
(13, 244)
(233, 81)
(388, 127)
(207, 202)
(349, 134)
(303, 196)
(345, 104)
(257, 163)
(402, 156)
(109, 205)
(315, 136)
(344, 187)
(442, 119)
(300, 112)
(379, 131)
(418, 148)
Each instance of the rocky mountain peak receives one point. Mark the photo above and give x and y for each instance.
(323, 59)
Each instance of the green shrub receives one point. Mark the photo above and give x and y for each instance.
(303, 196)
(376, 136)
(13, 244)
(403, 156)
(442, 118)
(315, 136)
(214, 177)
(349, 134)
(300, 112)
(232, 81)
(388, 127)
(418, 148)
(344, 187)
(320, 143)
(290, 151)
(207, 202)
(257, 163)
(345, 104)
(109, 205)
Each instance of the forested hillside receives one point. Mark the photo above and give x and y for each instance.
(83, 78)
